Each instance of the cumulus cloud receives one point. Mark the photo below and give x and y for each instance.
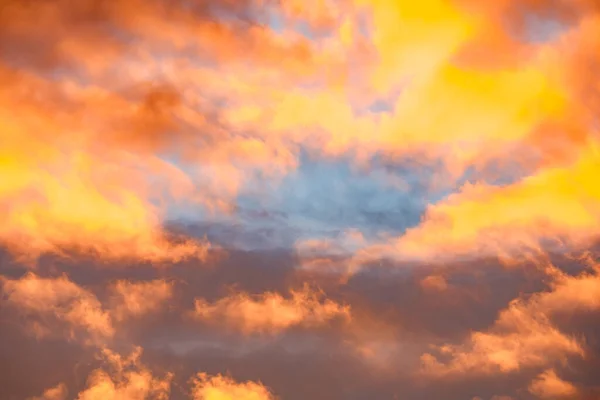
(58, 392)
(135, 299)
(524, 334)
(57, 306)
(271, 312)
(127, 379)
(549, 386)
(205, 387)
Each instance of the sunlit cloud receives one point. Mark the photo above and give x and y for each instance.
(335, 198)
(549, 386)
(524, 334)
(220, 387)
(271, 312)
(58, 306)
(127, 379)
(58, 392)
(135, 299)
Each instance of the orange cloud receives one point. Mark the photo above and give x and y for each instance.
(533, 345)
(553, 122)
(524, 334)
(58, 392)
(86, 157)
(135, 299)
(555, 203)
(86, 160)
(67, 194)
(549, 386)
(112, 112)
(270, 312)
(128, 380)
(455, 112)
(434, 283)
(495, 398)
(220, 387)
(57, 306)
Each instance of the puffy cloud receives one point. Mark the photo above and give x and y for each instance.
(546, 119)
(54, 306)
(127, 379)
(205, 387)
(114, 115)
(135, 299)
(79, 194)
(270, 312)
(477, 113)
(549, 386)
(106, 190)
(524, 335)
(88, 167)
(557, 202)
(536, 344)
(94, 22)
(58, 392)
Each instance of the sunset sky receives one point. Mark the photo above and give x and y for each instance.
(303, 200)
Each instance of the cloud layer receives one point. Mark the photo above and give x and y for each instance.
(267, 200)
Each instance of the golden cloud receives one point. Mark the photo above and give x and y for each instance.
(220, 387)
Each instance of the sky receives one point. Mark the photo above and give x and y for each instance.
(281, 199)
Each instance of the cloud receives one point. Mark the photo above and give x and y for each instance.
(556, 203)
(136, 299)
(282, 98)
(270, 312)
(525, 334)
(205, 387)
(67, 195)
(486, 348)
(58, 392)
(129, 380)
(549, 386)
(99, 191)
(395, 154)
(434, 282)
(55, 306)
